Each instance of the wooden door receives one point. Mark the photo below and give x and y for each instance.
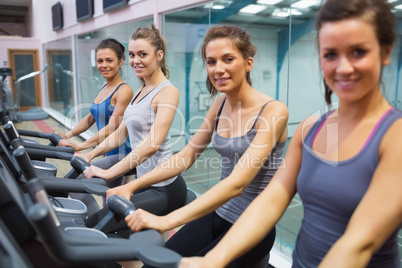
(23, 62)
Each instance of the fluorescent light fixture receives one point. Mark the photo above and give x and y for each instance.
(252, 9)
(218, 7)
(268, 2)
(280, 12)
(211, 5)
(398, 7)
(392, 1)
(306, 3)
(285, 12)
(296, 12)
(219, 4)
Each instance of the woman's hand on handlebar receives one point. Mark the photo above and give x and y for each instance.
(86, 157)
(195, 262)
(96, 172)
(61, 135)
(141, 219)
(120, 190)
(68, 143)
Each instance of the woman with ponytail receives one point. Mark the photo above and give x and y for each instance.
(147, 121)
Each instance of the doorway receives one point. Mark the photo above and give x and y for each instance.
(27, 93)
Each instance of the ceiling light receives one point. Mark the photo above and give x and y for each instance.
(398, 7)
(268, 2)
(252, 9)
(285, 12)
(392, 1)
(296, 12)
(306, 3)
(214, 6)
(218, 7)
(280, 12)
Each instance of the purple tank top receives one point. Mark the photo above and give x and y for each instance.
(330, 192)
(231, 150)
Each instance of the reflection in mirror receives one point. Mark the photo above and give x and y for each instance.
(60, 75)
(89, 80)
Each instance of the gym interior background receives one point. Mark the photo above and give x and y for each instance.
(35, 34)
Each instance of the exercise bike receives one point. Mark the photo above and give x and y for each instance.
(7, 100)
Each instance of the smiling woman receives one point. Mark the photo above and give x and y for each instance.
(345, 165)
(109, 105)
(147, 121)
(143, 61)
(247, 128)
(351, 58)
(106, 110)
(223, 64)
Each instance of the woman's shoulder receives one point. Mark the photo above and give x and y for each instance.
(166, 85)
(390, 150)
(167, 94)
(167, 88)
(276, 103)
(125, 86)
(392, 138)
(124, 91)
(264, 100)
(272, 107)
(215, 107)
(217, 103)
(305, 125)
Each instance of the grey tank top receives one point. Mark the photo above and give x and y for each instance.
(331, 191)
(231, 150)
(139, 119)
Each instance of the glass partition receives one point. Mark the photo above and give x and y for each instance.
(58, 56)
(184, 33)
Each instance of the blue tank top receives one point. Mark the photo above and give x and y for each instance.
(231, 150)
(102, 113)
(330, 192)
